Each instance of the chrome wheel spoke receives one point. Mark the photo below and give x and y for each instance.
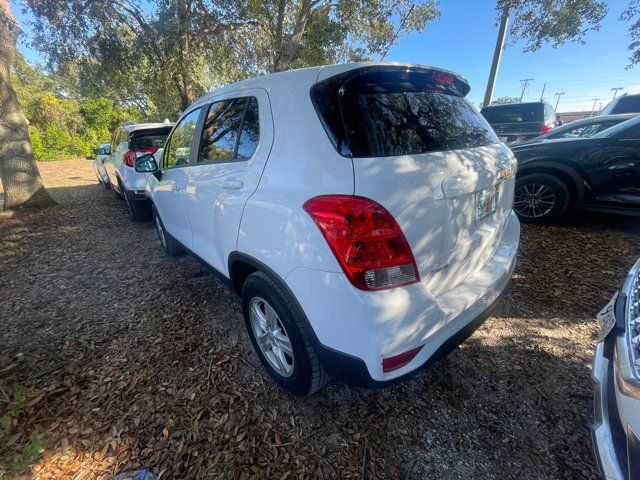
(271, 337)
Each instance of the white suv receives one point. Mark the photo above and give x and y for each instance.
(129, 141)
(362, 211)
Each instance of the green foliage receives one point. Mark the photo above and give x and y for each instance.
(632, 15)
(31, 452)
(540, 22)
(61, 126)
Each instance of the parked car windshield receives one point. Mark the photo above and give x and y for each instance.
(399, 112)
(517, 113)
(584, 130)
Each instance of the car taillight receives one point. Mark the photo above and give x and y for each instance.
(394, 363)
(129, 158)
(366, 240)
(545, 129)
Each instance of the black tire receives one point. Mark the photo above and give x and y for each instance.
(116, 194)
(136, 210)
(169, 244)
(106, 185)
(540, 198)
(308, 376)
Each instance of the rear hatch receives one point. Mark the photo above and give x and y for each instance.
(426, 155)
(516, 121)
(148, 140)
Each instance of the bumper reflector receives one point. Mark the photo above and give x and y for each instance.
(394, 363)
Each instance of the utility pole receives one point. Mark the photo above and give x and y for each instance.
(497, 55)
(615, 92)
(559, 94)
(593, 110)
(544, 87)
(525, 82)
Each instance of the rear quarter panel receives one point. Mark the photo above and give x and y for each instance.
(302, 164)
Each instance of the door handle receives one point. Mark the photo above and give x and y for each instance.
(175, 188)
(232, 184)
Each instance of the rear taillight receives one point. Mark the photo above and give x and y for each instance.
(129, 158)
(546, 128)
(365, 239)
(398, 361)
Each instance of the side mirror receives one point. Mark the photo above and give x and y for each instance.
(146, 164)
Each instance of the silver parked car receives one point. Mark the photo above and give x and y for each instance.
(616, 374)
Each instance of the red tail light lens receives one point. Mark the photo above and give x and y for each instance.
(130, 156)
(545, 129)
(394, 363)
(366, 240)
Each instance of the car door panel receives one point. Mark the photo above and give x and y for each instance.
(216, 193)
(167, 191)
(613, 166)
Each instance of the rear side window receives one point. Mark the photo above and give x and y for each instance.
(231, 131)
(393, 111)
(517, 113)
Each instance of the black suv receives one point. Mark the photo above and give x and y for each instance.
(623, 104)
(597, 173)
(514, 122)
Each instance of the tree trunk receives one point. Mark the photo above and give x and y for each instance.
(289, 52)
(18, 171)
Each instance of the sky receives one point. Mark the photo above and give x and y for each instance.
(463, 40)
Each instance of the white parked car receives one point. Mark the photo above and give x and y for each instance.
(129, 142)
(362, 211)
(616, 373)
(101, 155)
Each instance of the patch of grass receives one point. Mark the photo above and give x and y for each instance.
(31, 452)
(154, 318)
(19, 396)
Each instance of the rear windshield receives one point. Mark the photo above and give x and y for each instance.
(398, 111)
(521, 113)
(151, 139)
(630, 104)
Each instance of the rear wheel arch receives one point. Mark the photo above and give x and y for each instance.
(567, 175)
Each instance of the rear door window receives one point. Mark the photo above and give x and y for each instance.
(399, 112)
(231, 131)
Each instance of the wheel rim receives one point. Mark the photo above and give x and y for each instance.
(271, 337)
(534, 200)
(160, 231)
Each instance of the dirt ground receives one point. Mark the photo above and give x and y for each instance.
(113, 357)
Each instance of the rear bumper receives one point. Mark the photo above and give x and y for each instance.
(133, 181)
(616, 426)
(354, 330)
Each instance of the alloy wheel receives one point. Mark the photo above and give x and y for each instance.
(534, 200)
(271, 337)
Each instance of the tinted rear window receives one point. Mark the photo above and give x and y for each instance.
(629, 104)
(521, 113)
(398, 111)
(152, 139)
